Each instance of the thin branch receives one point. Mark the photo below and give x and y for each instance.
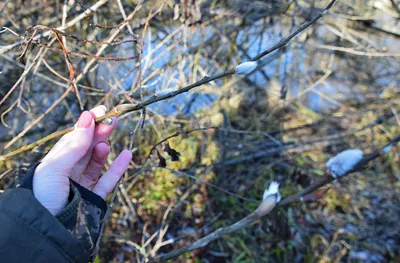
(80, 76)
(327, 178)
(127, 108)
(78, 18)
(26, 72)
(175, 135)
(180, 173)
(139, 124)
(70, 69)
(285, 41)
(107, 215)
(358, 52)
(45, 77)
(95, 42)
(202, 242)
(117, 111)
(253, 217)
(71, 53)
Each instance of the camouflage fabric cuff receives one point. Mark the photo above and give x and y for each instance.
(24, 176)
(83, 215)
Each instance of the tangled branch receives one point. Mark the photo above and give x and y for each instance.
(128, 108)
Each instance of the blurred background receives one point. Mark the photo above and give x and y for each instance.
(333, 87)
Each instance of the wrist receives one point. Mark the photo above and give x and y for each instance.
(52, 191)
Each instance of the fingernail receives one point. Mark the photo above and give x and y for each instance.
(104, 108)
(106, 142)
(85, 120)
(93, 115)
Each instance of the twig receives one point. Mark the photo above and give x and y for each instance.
(118, 111)
(103, 223)
(64, 19)
(121, 109)
(95, 42)
(70, 69)
(78, 18)
(122, 10)
(202, 242)
(358, 52)
(26, 71)
(327, 178)
(80, 76)
(71, 53)
(285, 41)
(75, 54)
(253, 218)
(133, 133)
(27, 45)
(107, 215)
(175, 135)
(45, 77)
(127, 108)
(180, 173)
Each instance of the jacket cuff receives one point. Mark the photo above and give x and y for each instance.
(82, 217)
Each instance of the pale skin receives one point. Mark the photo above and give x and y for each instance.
(80, 156)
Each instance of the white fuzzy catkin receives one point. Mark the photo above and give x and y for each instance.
(387, 149)
(164, 92)
(272, 190)
(246, 67)
(344, 162)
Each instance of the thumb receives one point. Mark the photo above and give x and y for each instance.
(76, 144)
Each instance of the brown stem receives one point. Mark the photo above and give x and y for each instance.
(35, 144)
(267, 206)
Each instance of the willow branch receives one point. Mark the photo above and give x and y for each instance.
(303, 27)
(327, 178)
(121, 110)
(254, 217)
(267, 206)
(127, 108)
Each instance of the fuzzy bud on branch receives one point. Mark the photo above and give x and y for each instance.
(246, 67)
(271, 197)
(344, 162)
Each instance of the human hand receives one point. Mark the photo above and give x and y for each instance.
(79, 155)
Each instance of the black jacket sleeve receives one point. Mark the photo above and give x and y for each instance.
(30, 233)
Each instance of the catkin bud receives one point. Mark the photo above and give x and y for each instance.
(272, 190)
(344, 162)
(246, 67)
(271, 197)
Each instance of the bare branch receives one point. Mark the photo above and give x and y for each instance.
(253, 217)
(285, 41)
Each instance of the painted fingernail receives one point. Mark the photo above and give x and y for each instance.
(85, 120)
(103, 107)
(93, 114)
